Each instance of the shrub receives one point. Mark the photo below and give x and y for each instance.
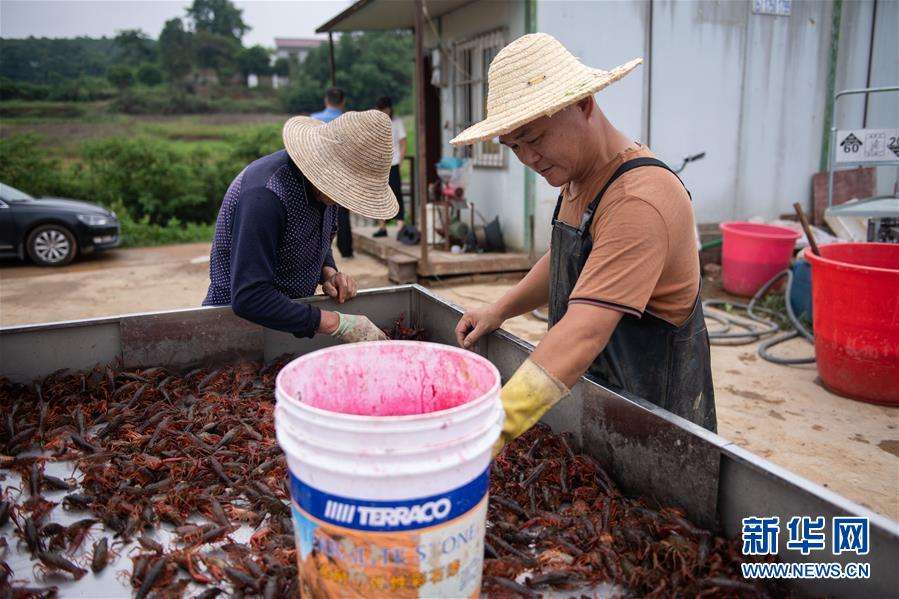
(25, 108)
(25, 166)
(120, 76)
(149, 74)
(152, 178)
(137, 233)
(21, 90)
(255, 143)
(303, 95)
(82, 89)
(145, 100)
(155, 186)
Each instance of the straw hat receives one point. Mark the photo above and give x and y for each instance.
(535, 76)
(347, 159)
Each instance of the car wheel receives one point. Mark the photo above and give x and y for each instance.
(51, 245)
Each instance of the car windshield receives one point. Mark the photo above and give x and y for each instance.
(11, 194)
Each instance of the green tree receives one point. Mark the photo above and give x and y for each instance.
(368, 65)
(51, 61)
(176, 52)
(134, 46)
(303, 95)
(149, 74)
(219, 17)
(120, 76)
(281, 68)
(254, 60)
(216, 52)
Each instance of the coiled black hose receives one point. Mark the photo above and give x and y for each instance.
(755, 332)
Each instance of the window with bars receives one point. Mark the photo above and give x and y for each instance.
(471, 61)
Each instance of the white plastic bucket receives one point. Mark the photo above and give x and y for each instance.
(388, 448)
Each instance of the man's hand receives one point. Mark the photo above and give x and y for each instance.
(528, 395)
(338, 285)
(354, 328)
(529, 293)
(477, 323)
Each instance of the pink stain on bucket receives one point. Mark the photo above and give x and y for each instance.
(395, 379)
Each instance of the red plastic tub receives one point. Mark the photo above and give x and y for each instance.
(752, 254)
(855, 301)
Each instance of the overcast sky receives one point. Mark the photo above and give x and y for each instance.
(268, 19)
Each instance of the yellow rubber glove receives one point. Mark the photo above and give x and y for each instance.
(527, 396)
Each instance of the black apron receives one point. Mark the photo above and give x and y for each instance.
(647, 357)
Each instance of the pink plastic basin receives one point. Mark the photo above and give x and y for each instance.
(752, 254)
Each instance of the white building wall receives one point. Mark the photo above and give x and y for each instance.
(494, 191)
(883, 108)
(748, 89)
(603, 35)
(783, 108)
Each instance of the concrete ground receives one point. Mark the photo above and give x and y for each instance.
(781, 413)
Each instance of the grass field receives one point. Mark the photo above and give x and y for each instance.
(214, 139)
(62, 136)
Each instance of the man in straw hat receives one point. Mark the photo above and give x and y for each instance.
(274, 230)
(622, 274)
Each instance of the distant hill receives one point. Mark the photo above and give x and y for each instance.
(47, 60)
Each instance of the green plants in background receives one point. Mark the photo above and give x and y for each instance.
(141, 233)
(120, 76)
(149, 74)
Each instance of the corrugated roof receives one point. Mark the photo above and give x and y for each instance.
(372, 15)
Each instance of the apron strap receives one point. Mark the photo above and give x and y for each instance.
(627, 166)
(556, 211)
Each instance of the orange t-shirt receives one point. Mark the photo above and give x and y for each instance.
(644, 255)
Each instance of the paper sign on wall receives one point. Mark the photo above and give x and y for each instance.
(868, 145)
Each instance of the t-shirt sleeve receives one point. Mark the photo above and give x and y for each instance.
(400, 128)
(630, 247)
(257, 225)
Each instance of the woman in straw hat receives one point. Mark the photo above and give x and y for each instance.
(622, 274)
(274, 230)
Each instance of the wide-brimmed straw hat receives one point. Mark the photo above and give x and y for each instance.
(347, 159)
(535, 76)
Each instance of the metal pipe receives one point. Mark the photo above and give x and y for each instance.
(649, 77)
(833, 129)
(867, 90)
(331, 56)
(836, 19)
(420, 135)
(870, 62)
(530, 26)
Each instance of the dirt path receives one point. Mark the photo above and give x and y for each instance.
(778, 412)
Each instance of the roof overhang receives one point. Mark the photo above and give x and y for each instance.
(385, 15)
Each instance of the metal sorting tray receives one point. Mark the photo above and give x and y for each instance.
(647, 450)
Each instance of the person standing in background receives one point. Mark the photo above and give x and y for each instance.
(335, 101)
(385, 105)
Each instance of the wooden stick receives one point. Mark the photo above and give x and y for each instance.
(807, 228)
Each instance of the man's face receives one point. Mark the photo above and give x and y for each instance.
(551, 145)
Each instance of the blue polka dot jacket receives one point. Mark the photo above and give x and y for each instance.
(272, 239)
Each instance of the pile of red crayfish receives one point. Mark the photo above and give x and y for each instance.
(152, 446)
(557, 522)
(196, 452)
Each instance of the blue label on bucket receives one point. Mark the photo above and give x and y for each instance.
(392, 515)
